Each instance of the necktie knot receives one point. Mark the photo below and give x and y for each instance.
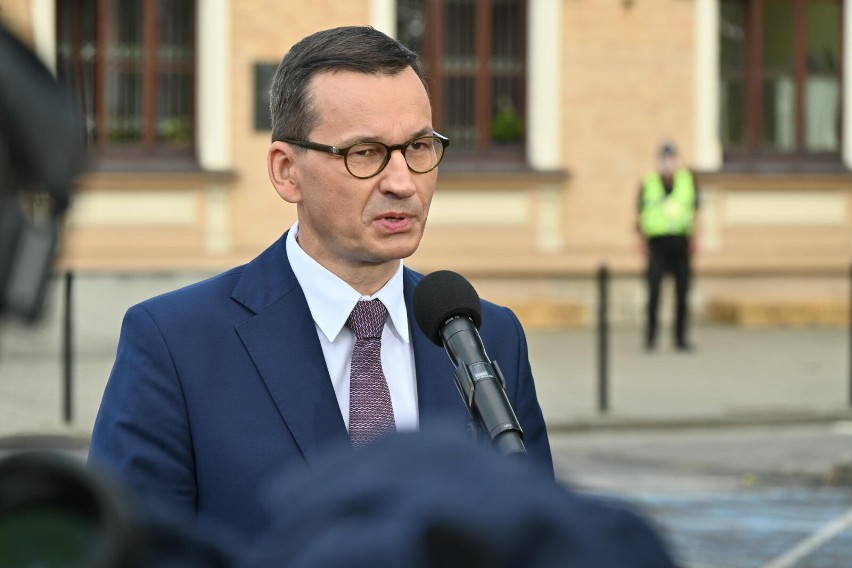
(368, 319)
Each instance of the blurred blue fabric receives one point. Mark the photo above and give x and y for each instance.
(433, 498)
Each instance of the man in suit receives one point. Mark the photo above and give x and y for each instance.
(219, 386)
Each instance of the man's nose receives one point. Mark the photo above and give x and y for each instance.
(398, 178)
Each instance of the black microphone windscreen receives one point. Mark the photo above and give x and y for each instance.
(440, 296)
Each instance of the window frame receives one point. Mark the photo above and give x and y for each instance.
(485, 153)
(753, 154)
(148, 152)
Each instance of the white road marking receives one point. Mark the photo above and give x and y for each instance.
(811, 543)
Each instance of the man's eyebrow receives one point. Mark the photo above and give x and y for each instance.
(355, 140)
(425, 131)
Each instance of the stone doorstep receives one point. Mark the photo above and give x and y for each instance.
(778, 312)
(547, 314)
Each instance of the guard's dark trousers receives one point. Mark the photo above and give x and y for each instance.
(668, 254)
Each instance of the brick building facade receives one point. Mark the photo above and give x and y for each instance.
(605, 83)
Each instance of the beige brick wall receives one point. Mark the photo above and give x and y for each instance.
(16, 15)
(628, 81)
(262, 32)
(627, 74)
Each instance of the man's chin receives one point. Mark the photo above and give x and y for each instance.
(391, 251)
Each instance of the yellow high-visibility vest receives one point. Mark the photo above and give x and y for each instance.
(672, 214)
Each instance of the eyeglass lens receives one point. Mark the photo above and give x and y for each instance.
(368, 158)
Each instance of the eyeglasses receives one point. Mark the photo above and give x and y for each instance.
(366, 159)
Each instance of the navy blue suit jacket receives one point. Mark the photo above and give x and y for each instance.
(220, 385)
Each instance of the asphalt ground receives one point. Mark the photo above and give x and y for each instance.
(726, 496)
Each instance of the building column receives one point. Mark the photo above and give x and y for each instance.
(44, 31)
(213, 45)
(708, 150)
(846, 82)
(544, 80)
(383, 16)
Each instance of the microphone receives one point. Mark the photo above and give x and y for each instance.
(449, 313)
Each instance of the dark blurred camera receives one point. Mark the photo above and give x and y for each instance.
(53, 511)
(56, 513)
(39, 156)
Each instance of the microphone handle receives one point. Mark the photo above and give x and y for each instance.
(482, 385)
(496, 413)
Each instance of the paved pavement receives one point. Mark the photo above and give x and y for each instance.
(734, 376)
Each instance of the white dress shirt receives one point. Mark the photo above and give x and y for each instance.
(331, 300)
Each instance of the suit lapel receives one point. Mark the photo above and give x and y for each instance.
(438, 398)
(282, 341)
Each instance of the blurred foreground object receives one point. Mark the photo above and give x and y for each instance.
(39, 155)
(436, 499)
(55, 513)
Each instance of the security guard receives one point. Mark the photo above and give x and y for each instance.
(668, 203)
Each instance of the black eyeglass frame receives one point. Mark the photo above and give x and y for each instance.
(344, 152)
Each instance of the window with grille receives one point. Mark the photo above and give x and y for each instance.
(474, 53)
(131, 67)
(780, 84)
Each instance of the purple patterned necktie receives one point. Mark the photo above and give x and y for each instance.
(370, 408)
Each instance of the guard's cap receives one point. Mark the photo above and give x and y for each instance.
(667, 149)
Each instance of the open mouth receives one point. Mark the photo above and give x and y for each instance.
(396, 216)
(396, 222)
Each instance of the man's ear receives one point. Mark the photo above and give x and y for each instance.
(279, 163)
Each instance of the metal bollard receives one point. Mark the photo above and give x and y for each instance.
(603, 338)
(68, 352)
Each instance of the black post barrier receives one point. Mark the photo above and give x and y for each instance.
(68, 351)
(603, 338)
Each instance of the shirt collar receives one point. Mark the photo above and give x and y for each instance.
(331, 300)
